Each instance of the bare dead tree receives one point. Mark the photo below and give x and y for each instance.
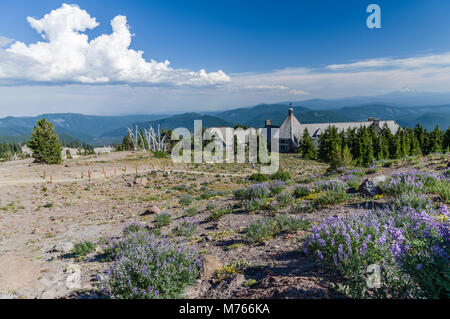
(155, 141)
(134, 137)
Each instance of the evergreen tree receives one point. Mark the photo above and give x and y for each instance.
(329, 142)
(446, 141)
(307, 148)
(422, 138)
(45, 143)
(376, 143)
(435, 141)
(347, 158)
(353, 142)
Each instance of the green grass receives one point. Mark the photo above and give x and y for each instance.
(82, 249)
(331, 198)
(163, 220)
(269, 227)
(219, 213)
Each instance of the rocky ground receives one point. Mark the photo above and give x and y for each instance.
(45, 210)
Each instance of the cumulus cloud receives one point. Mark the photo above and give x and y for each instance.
(68, 56)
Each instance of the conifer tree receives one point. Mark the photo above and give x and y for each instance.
(446, 141)
(45, 143)
(307, 148)
(435, 141)
(329, 141)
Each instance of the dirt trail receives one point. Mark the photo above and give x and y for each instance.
(25, 173)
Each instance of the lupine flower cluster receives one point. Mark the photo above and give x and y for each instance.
(411, 245)
(302, 191)
(186, 227)
(331, 185)
(253, 205)
(146, 267)
(412, 180)
(276, 188)
(257, 191)
(133, 228)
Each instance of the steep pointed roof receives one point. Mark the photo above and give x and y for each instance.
(290, 128)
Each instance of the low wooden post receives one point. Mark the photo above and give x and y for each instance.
(89, 174)
(51, 179)
(115, 171)
(45, 174)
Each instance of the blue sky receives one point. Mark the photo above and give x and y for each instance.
(251, 51)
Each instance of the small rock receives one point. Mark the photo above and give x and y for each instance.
(210, 265)
(64, 247)
(38, 230)
(369, 189)
(379, 179)
(152, 210)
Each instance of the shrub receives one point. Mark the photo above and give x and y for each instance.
(191, 212)
(256, 204)
(331, 198)
(133, 228)
(160, 154)
(281, 175)
(331, 185)
(82, 249)
(276, 188)
(163, 220)
(146, 267)
(186, 200)
(210, 194)
(284, 200)
(352, 181)
(210, 207)
(255, 191)
(302, 191)
(268, 227)
(258, 177)
(186, 227)
(219, 213)
(239, 193)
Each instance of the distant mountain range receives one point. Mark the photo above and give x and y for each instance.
(101, 130)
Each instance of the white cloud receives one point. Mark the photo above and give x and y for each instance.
(68, 56)
(4, 41)
(414, 62)
(267, 87)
